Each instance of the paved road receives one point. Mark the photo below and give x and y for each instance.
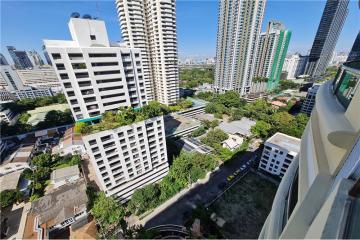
(200, 195)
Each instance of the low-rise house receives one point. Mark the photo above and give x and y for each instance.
(62, 176)
(233, 142)
(56, 214)
(193, 145)
(13, 181)
(179, 126)
(71, 143)
(277, 104)
(19, 160)
(241, 128)
(279, 151)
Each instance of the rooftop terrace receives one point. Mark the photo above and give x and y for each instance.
(285, 141)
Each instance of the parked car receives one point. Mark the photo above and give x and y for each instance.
(231, 177)
(236, 172)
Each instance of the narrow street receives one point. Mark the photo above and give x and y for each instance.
(176, 213)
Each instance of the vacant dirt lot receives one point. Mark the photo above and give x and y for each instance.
(245, 207)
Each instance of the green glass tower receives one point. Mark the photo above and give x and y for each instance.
(272, 49)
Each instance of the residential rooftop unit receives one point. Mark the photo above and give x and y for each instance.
(177, 125)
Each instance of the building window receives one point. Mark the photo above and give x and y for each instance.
(346, 87)
(56, 56)
(92, 37)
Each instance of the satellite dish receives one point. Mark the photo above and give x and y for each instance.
(75, 15)
(86, 16)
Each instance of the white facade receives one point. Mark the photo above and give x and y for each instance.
(309, 101)
(95, 75)
(43, 77)
(239, 26)
(128, 157)
(6, 96)
(295, 65)
(32, 93)
(150, 25)
(279, 151)
(9, 79)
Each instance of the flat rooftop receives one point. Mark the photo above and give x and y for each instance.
(175, 123)
(65, 172)
(238, 127)
(285, 141)
(10, 181)
(22, 154)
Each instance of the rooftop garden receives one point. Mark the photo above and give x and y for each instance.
(127, 116)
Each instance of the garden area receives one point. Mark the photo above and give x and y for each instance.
(52, 119)
(127, 116)
(244, 208)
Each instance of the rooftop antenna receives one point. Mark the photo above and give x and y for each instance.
(97, 10)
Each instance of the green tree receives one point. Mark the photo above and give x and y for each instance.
(7, 198)
(107, 212)
(144, 199)
(199, 131)
(214, 137)
(261, 129)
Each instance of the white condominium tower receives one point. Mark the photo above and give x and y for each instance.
(319, 195)
(239, 26)
(96, 76)
(150, 25)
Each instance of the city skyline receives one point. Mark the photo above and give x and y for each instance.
(197, 41)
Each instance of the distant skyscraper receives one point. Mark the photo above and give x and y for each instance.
(239, 26)
(150, 25)
(35, 58)
(8, 77)
(328, 32)
(355, 50)
(46, 54)
(3, 60)
(272, 49)
(20, 58)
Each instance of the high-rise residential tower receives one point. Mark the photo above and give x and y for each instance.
(328, 32)
(21, 58)
(239, 26)
(295, 65)
(271, 53)
(98, 79)
(319, 195)
(355, 50)
(96, 76)
(150, 25)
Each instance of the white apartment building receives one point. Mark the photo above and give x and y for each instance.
(309, 101)
(96, 76)
(239, 26)
(128, 157)
(295, 65)
(279, 151)
(150, 25)
(43, 77)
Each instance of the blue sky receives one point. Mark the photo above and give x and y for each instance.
(26, 23)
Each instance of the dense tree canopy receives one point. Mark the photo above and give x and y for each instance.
(190, 78)
(186, 168)
(9, 197)
(107, 212)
